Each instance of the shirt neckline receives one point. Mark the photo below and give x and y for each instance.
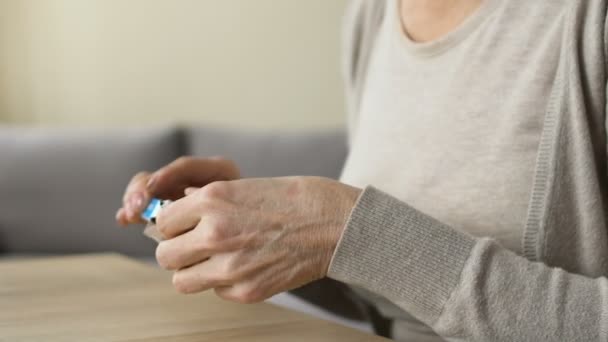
(445, 42)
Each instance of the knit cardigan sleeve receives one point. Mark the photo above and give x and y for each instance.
(464, 288)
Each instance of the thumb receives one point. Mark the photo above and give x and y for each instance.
(171, 180)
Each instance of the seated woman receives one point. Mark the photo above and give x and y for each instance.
(472, 206)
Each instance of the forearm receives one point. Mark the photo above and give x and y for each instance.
(464, 287)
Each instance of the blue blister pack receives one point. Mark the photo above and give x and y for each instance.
(152, 210)
(149, 215)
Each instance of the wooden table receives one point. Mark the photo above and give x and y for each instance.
(109, 297)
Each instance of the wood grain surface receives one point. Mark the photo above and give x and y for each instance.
(109, 297)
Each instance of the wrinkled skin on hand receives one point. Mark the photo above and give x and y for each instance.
(250, 239)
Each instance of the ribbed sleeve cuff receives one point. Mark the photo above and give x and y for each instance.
(400, 253)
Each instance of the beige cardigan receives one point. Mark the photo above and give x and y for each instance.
(473, 289)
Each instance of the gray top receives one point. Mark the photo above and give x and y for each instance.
(452, 127)
(550, 57)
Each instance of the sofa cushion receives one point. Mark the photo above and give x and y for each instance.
(265, 154)
(60, 187)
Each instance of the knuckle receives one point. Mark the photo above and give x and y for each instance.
(226, 273)
(249, 295)
(213, 236)
(181, 283)
(216, 231)
(164, 257)
(214, 191)
(223, 293)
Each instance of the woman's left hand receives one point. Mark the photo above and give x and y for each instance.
(250, 239)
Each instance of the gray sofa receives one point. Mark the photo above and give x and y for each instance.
(60, 187)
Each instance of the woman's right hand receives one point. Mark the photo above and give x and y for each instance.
(170, 182)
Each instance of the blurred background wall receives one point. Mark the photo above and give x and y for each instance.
(255, 64)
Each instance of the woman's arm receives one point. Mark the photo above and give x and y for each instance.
(465, 288)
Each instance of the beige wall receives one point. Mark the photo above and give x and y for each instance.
(262, 63)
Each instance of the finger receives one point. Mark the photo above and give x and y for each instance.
(188, 171)
(203, 276)
(125, 218)
(183, 251)
(134, 216)
(178, 217)
(121, 218)
(136, 197)
(137, 184)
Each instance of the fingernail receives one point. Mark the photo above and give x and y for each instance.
(137, 202)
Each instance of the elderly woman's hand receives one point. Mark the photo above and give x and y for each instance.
(252, 238)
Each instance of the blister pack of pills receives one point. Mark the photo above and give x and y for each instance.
(150, 214)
